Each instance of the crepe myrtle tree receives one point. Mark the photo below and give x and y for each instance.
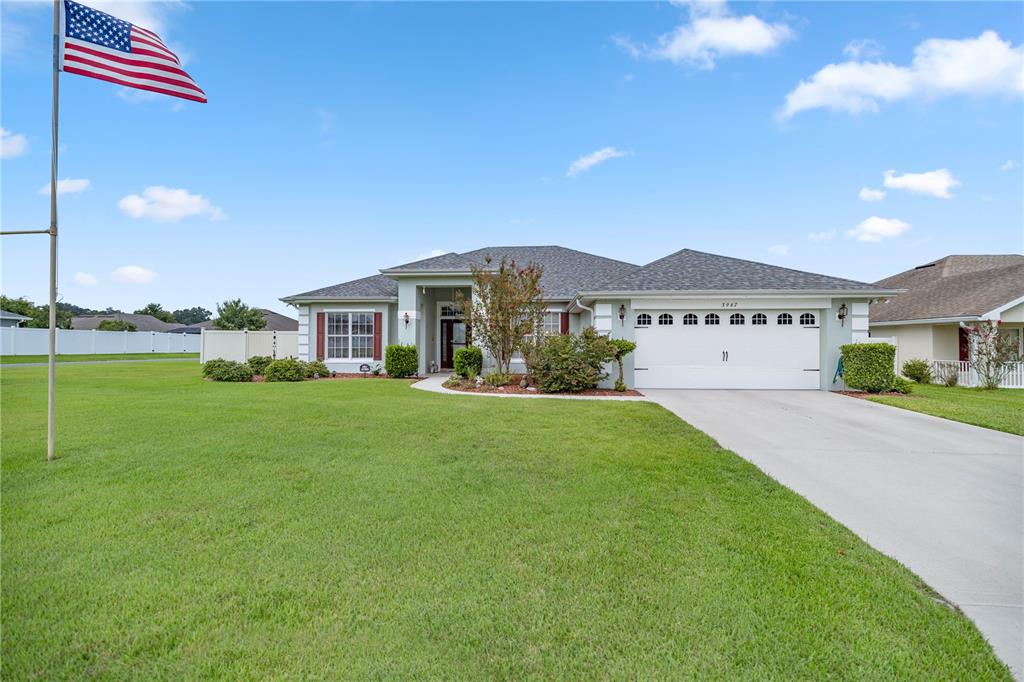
(506, 310)
(990, 352)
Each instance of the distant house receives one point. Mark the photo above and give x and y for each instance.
(8, 319)
(143, 323)
(275, 322)
(925, 320)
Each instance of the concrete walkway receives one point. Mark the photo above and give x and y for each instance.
(96, 362)
(434, 382)
(945, 499)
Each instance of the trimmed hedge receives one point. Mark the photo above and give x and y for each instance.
(259, 363)
(227, 370)
(318, 368)
(469, 362)
(401, 361)
(868, 366)
(285, 369)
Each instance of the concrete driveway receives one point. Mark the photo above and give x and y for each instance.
(945, 499)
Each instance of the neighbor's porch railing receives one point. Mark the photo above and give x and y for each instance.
(966, 375)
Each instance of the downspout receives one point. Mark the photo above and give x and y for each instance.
(576, 301)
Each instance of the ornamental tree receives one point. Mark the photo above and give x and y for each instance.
(234, 314)
(621, 348)
(990, 352)
(505, 310)
(156, 310)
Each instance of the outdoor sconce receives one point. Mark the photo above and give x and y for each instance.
(405, 318)
(622, 314)
(842, 315)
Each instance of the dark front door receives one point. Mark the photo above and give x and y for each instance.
(453, 337)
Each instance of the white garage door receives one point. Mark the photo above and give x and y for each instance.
(727, 349)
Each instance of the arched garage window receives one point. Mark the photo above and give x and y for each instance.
(784, 318)
(737, 319)
(665, 319)
(643, 320)
(807, 319)
(689, 319)
(711, 318)
(758, 319)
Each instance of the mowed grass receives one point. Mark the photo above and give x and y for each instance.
(1001, 409)
(23, 359)
(363, 529)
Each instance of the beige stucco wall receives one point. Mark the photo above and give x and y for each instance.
(1014, 314)
(922, 341)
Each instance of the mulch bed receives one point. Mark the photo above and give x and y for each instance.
(349, 375)
(889, 394)
(517, 389)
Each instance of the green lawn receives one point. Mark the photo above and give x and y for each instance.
(1001, 409)
(19, 359)
(362, 529)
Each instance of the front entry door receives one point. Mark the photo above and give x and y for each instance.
(453, 337)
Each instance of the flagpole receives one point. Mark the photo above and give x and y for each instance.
(51, 418)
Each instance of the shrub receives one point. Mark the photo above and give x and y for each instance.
(902, 385)
(498, 379)
(868, 366)
(621, 348)
(116, 326)
(285, 369)
(918, 370)
(469, 362)
(949, 375)
(211, 366)
(572, 362)
(229, 370)
(259, 363)
(316, 367)
(401, 361)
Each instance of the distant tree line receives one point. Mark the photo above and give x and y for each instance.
(231, 314)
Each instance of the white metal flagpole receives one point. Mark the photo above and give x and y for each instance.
(51, 417)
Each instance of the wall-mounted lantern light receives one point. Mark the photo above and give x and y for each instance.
(405, 318)
(622, 314)
(842, 315)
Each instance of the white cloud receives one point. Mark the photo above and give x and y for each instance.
(133, 274)
(84, 279)
(986, 65)
(133, 96)
(821, 236)
(12, 144)
(779, 249)
(325, 120)
(1009, 165)
(937, 183)
(869, 194)
(67, 186)
(150, 15)
(585, 163)
(863, 48)
(522, 221)
(711, 33)
(168, 205)
(875, 229)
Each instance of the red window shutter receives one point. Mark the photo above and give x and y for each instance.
(564, 323)
(320, 333)
(376, 336)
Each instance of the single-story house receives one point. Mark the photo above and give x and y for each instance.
(699, 320)
(924, 322)
(275, 322)
(143, 323)
(9, 319)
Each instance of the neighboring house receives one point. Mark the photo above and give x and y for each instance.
(925, 321)
(8, 319)
(699, 320)
(143, 323)
(275, 322)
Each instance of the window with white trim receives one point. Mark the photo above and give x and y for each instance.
(689, 319)
(784, 318)
(758, 319)
(551, 325)
(807, 319)
(737, 319)
(349, 336)
(665, 319)
(449, 310)
(711, 318)
(643, 320)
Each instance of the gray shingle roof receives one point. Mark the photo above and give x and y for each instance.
(370, 288)
(13, 316)
(954, 286)
(689, 270)
(143, 323)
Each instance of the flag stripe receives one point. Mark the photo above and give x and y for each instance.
(102, 46)
(110, 55)
(155, 77)
(119, 81)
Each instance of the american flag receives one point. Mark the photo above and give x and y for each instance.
(98, 45)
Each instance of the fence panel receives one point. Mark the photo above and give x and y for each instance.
(968, 376)
(242, 345)
(32, 341)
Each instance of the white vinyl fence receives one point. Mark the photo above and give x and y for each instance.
(31, 341)
(242, 345)
(968, 376)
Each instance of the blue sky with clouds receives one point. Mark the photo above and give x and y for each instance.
(853, 139)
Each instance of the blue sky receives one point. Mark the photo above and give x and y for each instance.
(342, 138)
